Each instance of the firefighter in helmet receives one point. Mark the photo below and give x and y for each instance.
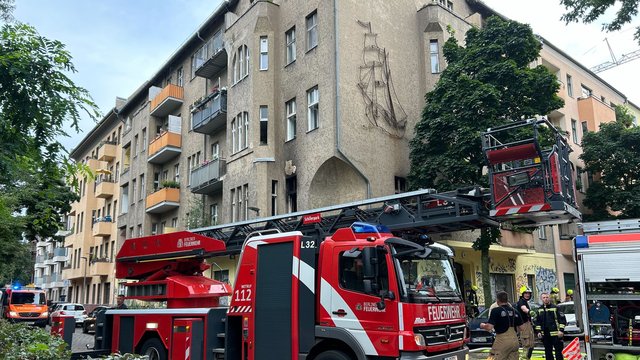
(504, 320)
(527, 339)
(472, 302)
(569, 296)
(555, 296)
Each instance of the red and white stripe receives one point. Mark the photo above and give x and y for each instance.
(520, 209)
(240, 309)
(572, 351)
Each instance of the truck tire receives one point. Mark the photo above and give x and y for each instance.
(333, 355)
(154, 349)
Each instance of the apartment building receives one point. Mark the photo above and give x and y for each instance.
(277, 106)
(50, 259)
(91, 231)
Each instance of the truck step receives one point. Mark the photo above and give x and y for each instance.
(221, 335)
(218, 351)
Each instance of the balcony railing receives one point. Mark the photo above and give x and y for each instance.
(163, 200)
(211, 114)
(105, 188)
(166, 100)
(165, 147)
(207, 179)
(40, 260)
(107, 151)
(102, 226)
(60, 254)
(100, 268)
(214, 59)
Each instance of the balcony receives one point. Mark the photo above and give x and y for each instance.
(40, 261)
(163, 200)
(165, 147)
(105, 188)
(41, 243)
(216, 59)
(71, 273)
(595, 112)
(39, 281)
(211, 114)
(207, 179)
(60, 255)
(102, 227)
(95, 164)
(107, 151)
(48, 259)
(55, 280)
(100, 267)
(166, 100)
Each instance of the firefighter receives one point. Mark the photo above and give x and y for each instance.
(555, 296)
(472, 302)
(569, 296)
(526, 334)
(504, 319)
(549, 326)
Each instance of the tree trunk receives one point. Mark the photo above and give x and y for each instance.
(486, 280)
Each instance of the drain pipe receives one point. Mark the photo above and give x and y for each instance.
(337, 110)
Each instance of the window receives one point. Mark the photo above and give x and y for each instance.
(139, 229)
(264, 124)
(215, 151)
(351, 272)
(245, 141)
(569, 281)
(144, 139)
(241, 203)
(291, 45)
(579, 182)
(400, 184)
(154, 229)
(156, 181)
(585, 128)
(312, 114)
(292, 194)
(449, 5)
(142, 187)
(245, 194)
(264, 53)
(312, 31)
(239, 132)
(246, 61)
(274, 197)
(542, 232)
(135, 145)
(236, 70)
(197, 60)
(124, 201)
(174, 222)
(133, 190)
(234, 130)
(176, 172)
(569, 85)
(213, 213)
(179, 77)
(586, 92)
(435, 56)
(241, 68)
(221, 275)
(574, 131)
(234, 216)
(291, 119)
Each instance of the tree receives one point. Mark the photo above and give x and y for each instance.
(486, 83)
(589, 11)
(613, 154)
(38, 103)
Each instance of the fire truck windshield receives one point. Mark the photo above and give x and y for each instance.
(425, 276)
(34, 298)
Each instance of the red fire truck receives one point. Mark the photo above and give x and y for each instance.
(349, 282)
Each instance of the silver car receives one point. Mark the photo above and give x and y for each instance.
(572, 329)
(76, 310)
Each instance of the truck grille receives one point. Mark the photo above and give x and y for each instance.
(29, 314)
(436, 335)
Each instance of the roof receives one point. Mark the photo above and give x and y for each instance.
(94, 135)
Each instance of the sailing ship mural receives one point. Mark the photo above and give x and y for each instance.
(383, 110)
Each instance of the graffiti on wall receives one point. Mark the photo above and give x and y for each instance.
(508, 267)
(546, 278)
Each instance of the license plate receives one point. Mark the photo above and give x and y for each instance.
(479, 339)
(454, 357)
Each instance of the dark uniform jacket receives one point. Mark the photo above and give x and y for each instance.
(549, 320)
(525, 317)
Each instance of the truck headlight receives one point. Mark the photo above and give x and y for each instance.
(419, 339)
(44, 314)
(13, 314)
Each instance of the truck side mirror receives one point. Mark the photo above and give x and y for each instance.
(368, 254)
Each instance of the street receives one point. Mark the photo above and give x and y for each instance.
(80, 340)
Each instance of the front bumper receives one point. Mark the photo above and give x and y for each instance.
(31, 321)
(460, 354)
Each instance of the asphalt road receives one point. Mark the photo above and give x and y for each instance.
(80, 340)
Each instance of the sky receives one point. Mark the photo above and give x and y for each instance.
(119, 44)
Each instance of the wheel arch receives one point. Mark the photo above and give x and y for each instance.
(330, 338)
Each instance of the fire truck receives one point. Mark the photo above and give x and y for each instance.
(355, 281)
(608, 296)
(24, 304)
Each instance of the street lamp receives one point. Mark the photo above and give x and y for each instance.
(84, 279)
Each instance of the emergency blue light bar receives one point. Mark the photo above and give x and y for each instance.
(582, 242)
(364, 228)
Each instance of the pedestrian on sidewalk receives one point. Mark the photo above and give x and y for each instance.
(527, 338)
(549, 325)
(504, 319)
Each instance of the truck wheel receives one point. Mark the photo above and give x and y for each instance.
(154, 349)
(333, 355)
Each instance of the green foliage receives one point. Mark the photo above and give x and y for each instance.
(170, 184)
(197, 217)
(614, 153)
(21, 342)
(589, 11)
(487, 83)
(118, 356)
(623, 115)
(6, 10)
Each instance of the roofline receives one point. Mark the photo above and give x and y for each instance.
(76, 153)
(546, 42)
(220, 10)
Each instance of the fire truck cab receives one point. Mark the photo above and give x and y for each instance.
(26, 304)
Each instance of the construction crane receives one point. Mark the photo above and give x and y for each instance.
(625, 58)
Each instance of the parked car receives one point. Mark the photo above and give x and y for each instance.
(572, 329)
(89, 324)
(53, 308)
(480, 337)
(76, 310)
